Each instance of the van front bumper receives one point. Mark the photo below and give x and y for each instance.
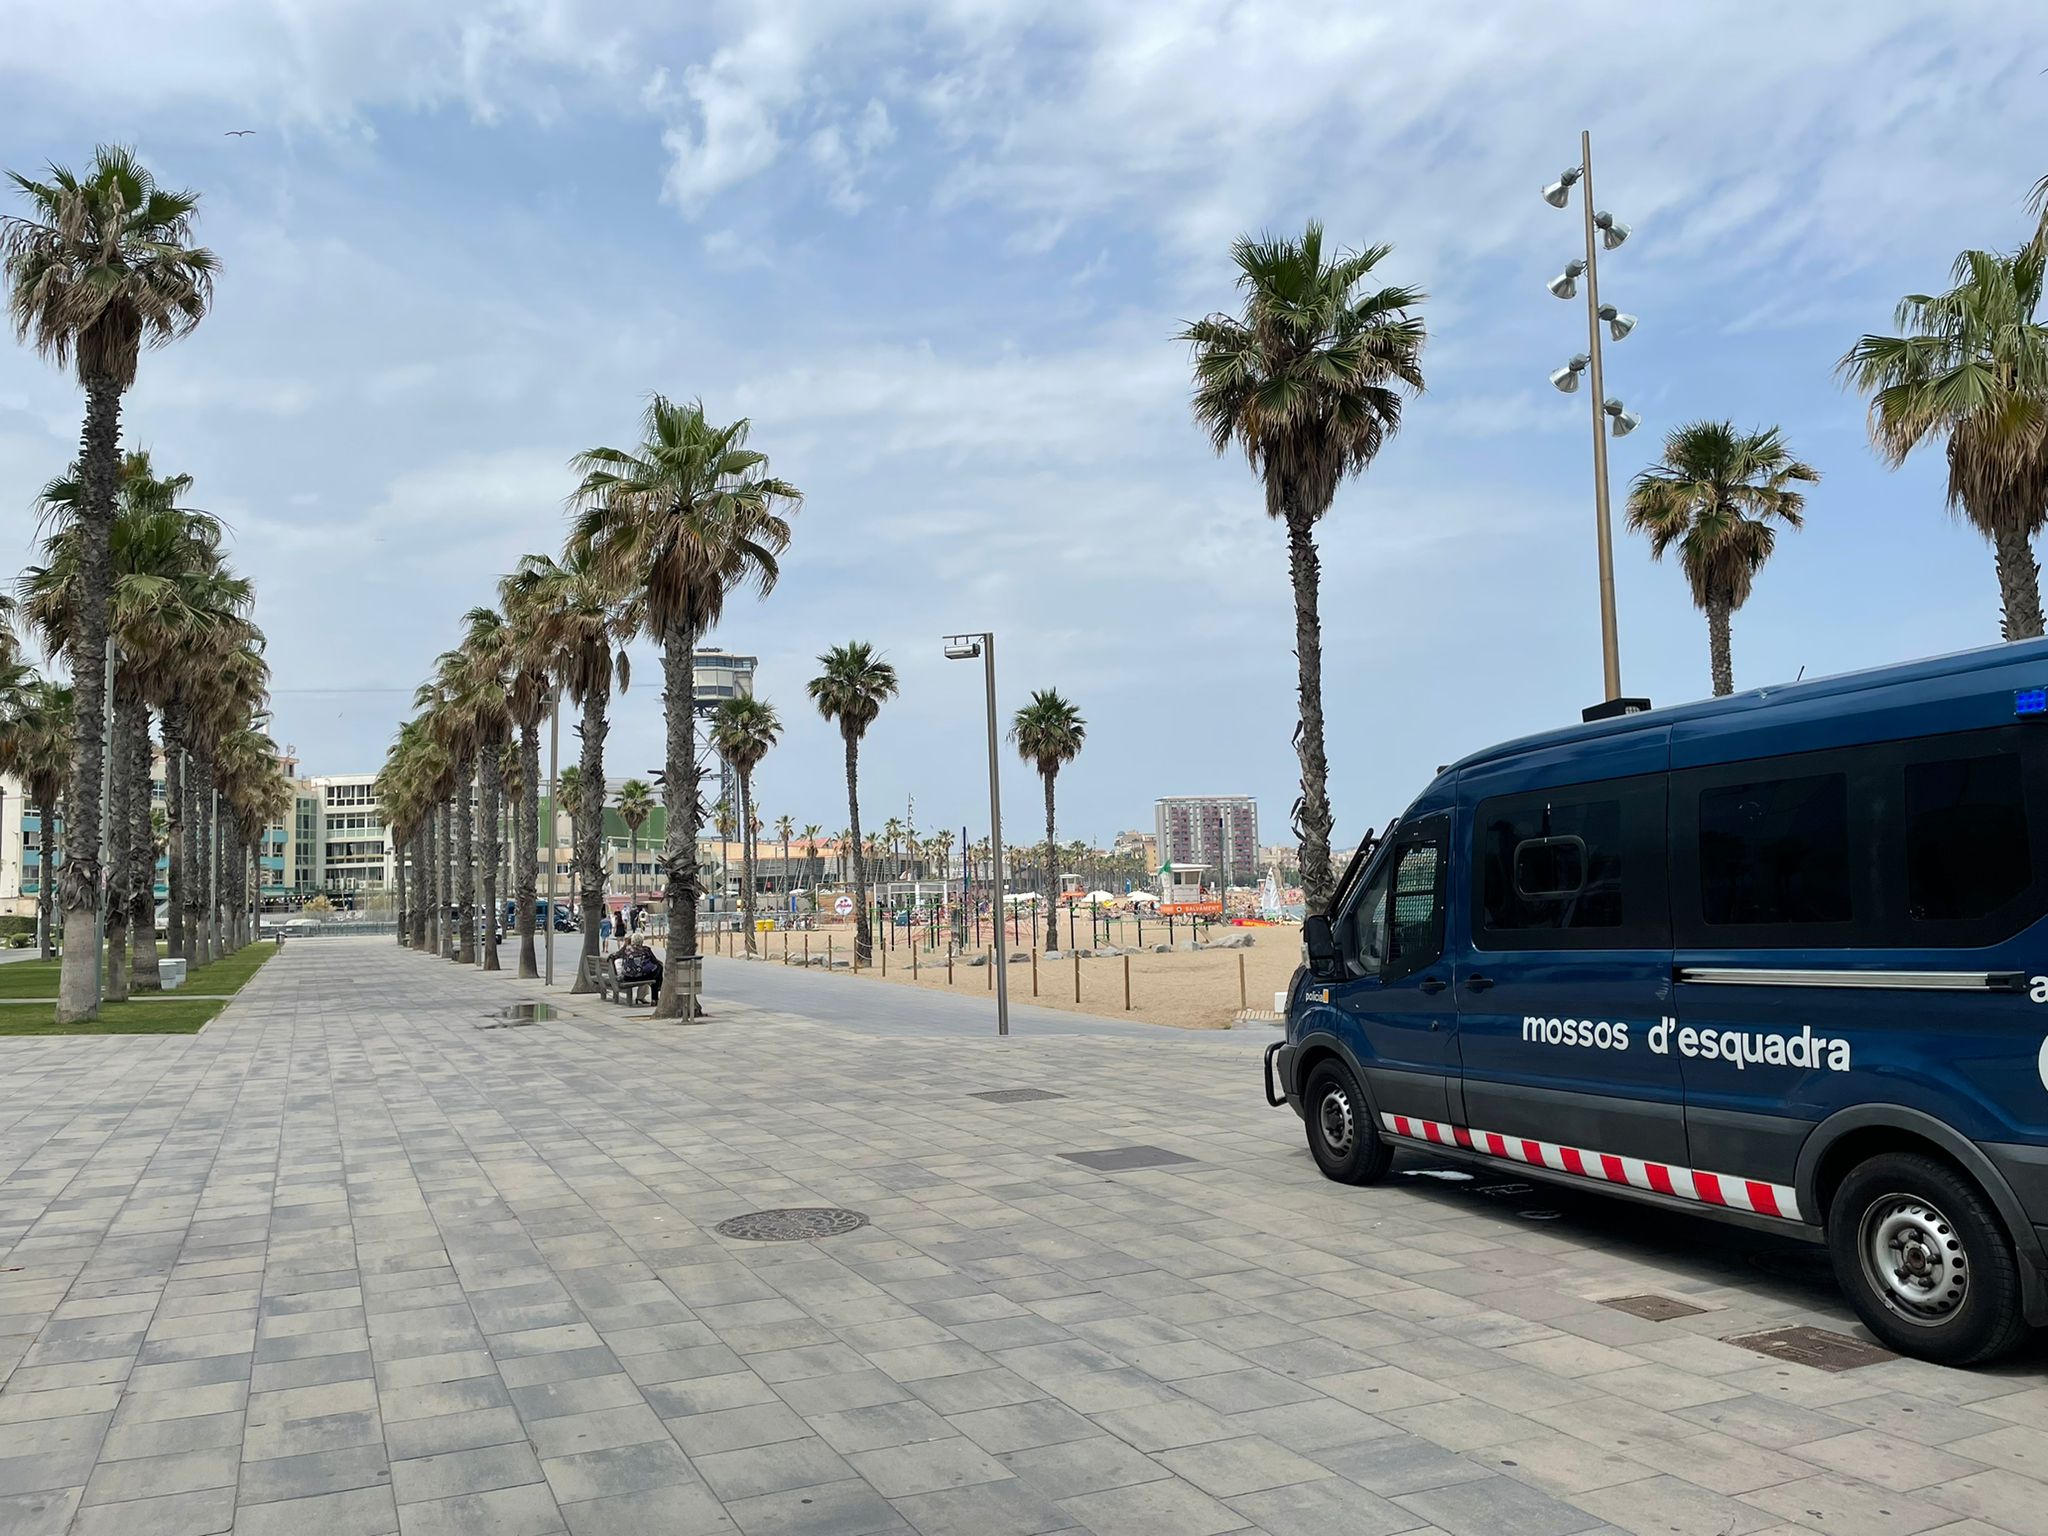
(1279, 1067)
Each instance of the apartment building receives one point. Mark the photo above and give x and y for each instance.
(1221, 831)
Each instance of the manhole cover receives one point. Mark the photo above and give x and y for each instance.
(1656, 1309)
(1815, 1347)
(1016, 1095)
(798, 1225)
(1117, 1159)
(1539, 1215)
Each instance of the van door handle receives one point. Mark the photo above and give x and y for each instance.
(1431, 984)
(1478, 983)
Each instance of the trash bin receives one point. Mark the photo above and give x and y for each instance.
(170, 973)
(686, 980)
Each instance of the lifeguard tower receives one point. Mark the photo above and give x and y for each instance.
(1184, 891)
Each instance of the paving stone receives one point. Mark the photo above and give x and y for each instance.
(425, 1478)
(207, 1513)
(342, 1227)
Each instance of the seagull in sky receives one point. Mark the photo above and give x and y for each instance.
(238, 133)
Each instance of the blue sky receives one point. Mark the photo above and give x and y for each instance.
(938, 252)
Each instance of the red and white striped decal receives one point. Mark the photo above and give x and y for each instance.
(1722, 1189)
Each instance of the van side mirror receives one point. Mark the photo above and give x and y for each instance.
(1320, 940)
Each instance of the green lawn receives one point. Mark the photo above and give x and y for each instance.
(168, 1013)
(173, 1016)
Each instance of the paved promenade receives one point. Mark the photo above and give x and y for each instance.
(349, 1262)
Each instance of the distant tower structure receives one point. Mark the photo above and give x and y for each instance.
(715, 677)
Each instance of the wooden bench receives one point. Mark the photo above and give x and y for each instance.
(603, 974)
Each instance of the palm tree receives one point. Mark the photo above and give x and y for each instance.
(635, 805)
(1307, 382)
(581, 627)
(101, 266)
(528, 701)
(36, 747)
(892, 836)
(1048, 732)
(1715, 496)
(810, 834)
(679, 522)
(785, 828)
(486, 663)
(852, 687)
(742, 730)
(1971, 366)
(170, 594)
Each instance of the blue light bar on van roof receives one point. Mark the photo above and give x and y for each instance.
(2030, 701)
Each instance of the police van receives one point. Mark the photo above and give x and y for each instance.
(1779, 959)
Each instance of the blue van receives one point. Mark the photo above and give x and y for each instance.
(1779, 958)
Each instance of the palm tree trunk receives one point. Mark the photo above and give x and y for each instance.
(401, 846)
(174, 823)
(1052, 872)
(526, 848)
(2019, 584)
(193, 896)
(493, 791)
(430, 884)
(747, 854)
(682, 799)
(144, 974)
(120, 854)
(99, 459)
(589, 820)
(863, 936)
(209, 878)
(424, 928)
(1312, 819)
(446, 854)
(465, 862)
(46, 868)
(1719, 652)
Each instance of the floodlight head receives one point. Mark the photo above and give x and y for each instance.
(963, 647)
(1625, 420)
(1618, 324)
(1559, 192)
(1566, 379)
(1612, 230)
(1566, 284)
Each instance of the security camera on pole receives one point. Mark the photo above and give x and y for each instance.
(1611, 232)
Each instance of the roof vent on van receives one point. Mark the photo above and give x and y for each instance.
(1613, 709)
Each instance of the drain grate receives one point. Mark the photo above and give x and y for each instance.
(1655, 1309)
(1118, 1159)
(1016, 1095)
(798, 1224)
(1816, 1347)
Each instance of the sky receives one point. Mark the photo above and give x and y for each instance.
(937, 254)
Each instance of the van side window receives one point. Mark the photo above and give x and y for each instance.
(1968, 851)
(1415, 919)
(1578, 867)
(1775, 851)
(1551, 865)
(1368, 922)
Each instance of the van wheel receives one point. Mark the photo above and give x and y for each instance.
(1341, 1135)
(1924, 1260)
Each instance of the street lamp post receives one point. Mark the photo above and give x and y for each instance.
(1611, 233)
(966, 648)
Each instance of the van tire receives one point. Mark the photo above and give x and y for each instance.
(1924, 1260)
(1341, 1136)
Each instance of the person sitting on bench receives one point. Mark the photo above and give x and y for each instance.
(636, 963)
